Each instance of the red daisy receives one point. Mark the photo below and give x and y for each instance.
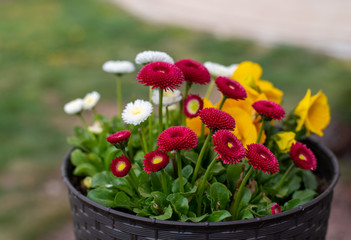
(230, 88)
(216, 119)
(303, 156)
(155, 161)
(120, 166)
(161, 75)
(260, 157)
(194, 71)
(119, 138)
(192, 105)
(229, 148)
(269, 109)
(275, 208)
(177, 138)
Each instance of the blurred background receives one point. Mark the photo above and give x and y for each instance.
(51, 51)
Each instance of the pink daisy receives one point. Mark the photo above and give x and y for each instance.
(120, 166)
(260, 157)
(119, 138)
(230, 88)
(269, 109)
(303, 156)
(229, 148)
(177, 138)
(155, 161)
(275, 208)
(194, 71)
(192, 105)
(216, 119)
(161, 75)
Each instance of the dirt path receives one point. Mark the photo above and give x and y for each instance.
(323, 25)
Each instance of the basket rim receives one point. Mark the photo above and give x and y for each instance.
(301, 208)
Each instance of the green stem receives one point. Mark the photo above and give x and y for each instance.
(143, 142)
(167, 117)
(174, 164)
(180, 174)
(199, 160)
(222, 102)
(150, 120)
(160, 120)
(281, 182)
(209, 89)
(202, 185)
(132, 179)
(164, 181)
(119, 94)
(234, 208)
(202, 130)
(261, 130)
(83, 121)
(187, 88)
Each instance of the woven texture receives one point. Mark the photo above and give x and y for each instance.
(309, 221)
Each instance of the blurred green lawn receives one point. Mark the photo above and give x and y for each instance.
(51, 51)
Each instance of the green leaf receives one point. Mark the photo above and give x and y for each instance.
(309, 180)
(96, 161)
(101, 179)
(167, 214)
(123, 201)
(103, 196)
(217, 169)
(78, 157)
(175, 184)
(85, 169)
(187, 171)
(246, 214)
(179, 203)
(220, 196)
(191, 156)
(218, 216)
(293, 203)
(193, 218)
(155, 181)
(233, 174)
(139, 155)
(304, 195)
(160, 199)
(245, 198)
(121, 183)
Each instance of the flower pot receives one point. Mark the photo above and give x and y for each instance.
(308, 221)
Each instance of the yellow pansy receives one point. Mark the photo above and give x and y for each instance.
(284, 140)
(248, 73)
(314, 113)
(272, 93)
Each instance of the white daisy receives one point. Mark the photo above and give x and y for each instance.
(95, 128)
(152, 56)
(169, 97)
(217, 69)
(90, 100)
(137, 112)
(118, 67)
(74, 107)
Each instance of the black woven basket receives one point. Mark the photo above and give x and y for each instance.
(309, 221)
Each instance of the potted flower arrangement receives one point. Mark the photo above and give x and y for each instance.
(178, 166)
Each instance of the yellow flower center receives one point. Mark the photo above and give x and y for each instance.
(89, 100)
(230, 145)
(302, 157)
(121, 166)
(136, 111)
(157, 160)
(193, 106)
(168, 94)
